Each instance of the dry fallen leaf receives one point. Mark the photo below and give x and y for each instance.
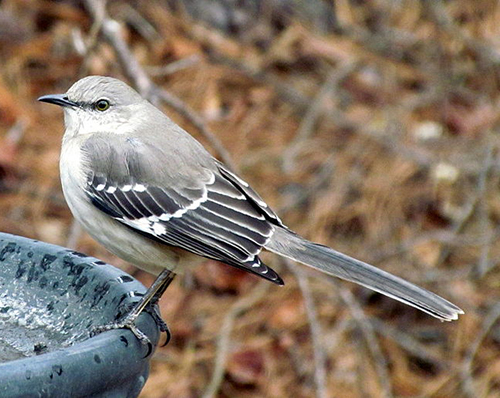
(246, 366)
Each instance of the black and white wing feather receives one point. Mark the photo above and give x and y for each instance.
(219, 218)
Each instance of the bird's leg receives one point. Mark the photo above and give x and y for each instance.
(149, 301)
(154, 310)
(152, 295)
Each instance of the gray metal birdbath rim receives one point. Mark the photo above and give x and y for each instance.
(50, 298)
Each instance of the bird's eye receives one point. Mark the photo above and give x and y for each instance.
(101, 105)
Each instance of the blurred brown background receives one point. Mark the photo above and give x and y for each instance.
(370, 126)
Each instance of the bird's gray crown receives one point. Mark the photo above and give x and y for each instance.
(92, 88)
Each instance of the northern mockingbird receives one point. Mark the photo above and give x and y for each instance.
(151, 194)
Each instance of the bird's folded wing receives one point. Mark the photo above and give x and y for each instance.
(250, 194)
(215, 219)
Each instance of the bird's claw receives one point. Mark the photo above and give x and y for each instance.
(154, 311)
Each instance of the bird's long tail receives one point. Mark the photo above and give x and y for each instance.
(288, 244)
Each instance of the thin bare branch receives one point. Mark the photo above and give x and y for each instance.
(408, 342)
(486, 51)
(173, 67)
(223, 342)
(484, 264)
(380, 363)
(315, 110)
(468, 361)
(315, 328)
(472, 207)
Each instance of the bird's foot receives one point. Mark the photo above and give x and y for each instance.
(125, 323)
(149, 303)
(128, 322)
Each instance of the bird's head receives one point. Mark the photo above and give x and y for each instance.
(98, 104)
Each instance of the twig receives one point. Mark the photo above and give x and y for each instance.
(484, 260)
(315, 328)
(336, 77)
(472, 206)
(315, 110)
(466, 373)
(321, 180)
(173, 67)
(485, 51)
(242, 305)
(407, 342)
(366, 328)
(141, 24)
(86, 47)
(110, 29)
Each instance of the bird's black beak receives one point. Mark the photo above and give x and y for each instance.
(57, 99)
